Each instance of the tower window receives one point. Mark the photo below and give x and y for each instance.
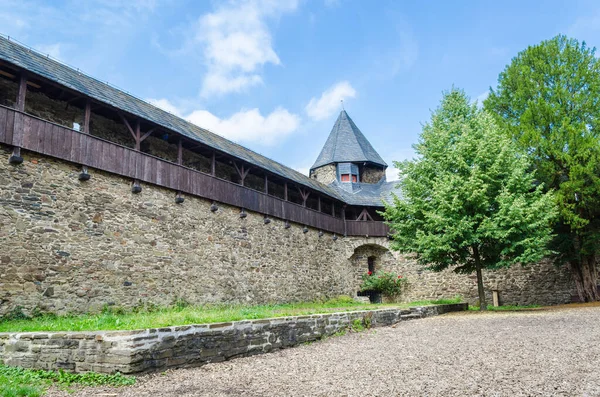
(346, 178)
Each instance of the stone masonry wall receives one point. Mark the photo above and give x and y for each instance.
(325, 174)
(541, 283)
(371, 174)
(184, 346)
(70, 246)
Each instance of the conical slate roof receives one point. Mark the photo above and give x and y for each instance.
(346, 144)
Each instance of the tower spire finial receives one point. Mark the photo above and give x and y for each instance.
(342, 101)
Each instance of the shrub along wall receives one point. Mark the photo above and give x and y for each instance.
(191, 345)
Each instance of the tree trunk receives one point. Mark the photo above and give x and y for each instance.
(585, 275)
(482, 301)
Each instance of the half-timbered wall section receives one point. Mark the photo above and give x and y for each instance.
(43, 117)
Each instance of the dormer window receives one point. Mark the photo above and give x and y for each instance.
(346, 178)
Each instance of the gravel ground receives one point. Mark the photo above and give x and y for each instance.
(535, 353)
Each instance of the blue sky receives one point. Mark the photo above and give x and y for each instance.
(270, 74)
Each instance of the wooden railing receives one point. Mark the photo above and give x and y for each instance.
(368, 228)
(40, 136)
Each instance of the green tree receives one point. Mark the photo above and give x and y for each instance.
(469, 201)
(548, 100)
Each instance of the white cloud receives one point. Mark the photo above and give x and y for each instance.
(303, 170)
(166, 105)
(236, 42)
(248, 126)
(329, 102)
(391, 174)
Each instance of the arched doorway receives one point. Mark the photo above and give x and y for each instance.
(369, 258)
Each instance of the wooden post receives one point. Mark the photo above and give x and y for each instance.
(15, 157)
(266, 184)
(242, 172)
(21, 93)
(135, 188)
(179, 152)
(333, 209)
(496, 297)
(138, 136)
(344, 218)
(87, 116)
(319, 203)
(84, 176)
(285, 191)
(304, 195)
(213, 166)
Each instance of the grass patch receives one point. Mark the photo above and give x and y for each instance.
(150, 316)
(505, 308)
(20, 382)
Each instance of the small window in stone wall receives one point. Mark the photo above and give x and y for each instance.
(8, 91)
(371, 264)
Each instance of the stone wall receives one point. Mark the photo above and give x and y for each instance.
(190, 345)
(70, 246)
(371, 174)
(542, 283)
(325, 174)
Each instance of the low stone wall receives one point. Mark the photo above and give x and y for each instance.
(184, 346)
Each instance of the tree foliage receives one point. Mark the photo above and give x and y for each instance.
(548, 100)
(469, 201)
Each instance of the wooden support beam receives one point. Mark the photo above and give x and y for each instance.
(147, 134)
(364, 215)
(213, 164)
(242, 172)
(333, 209)
(266, 184)
(128, 127)
(285, 191)
(137, 137)
(344, 218)
(87, 116)
(304, 193)
(22, 92)
(319, 203)
(9, 75)
(179, 152)
(15, 157)
(73, 99)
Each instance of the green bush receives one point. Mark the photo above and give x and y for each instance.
(388, 283)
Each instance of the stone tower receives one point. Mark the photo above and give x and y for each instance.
(348, 157)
